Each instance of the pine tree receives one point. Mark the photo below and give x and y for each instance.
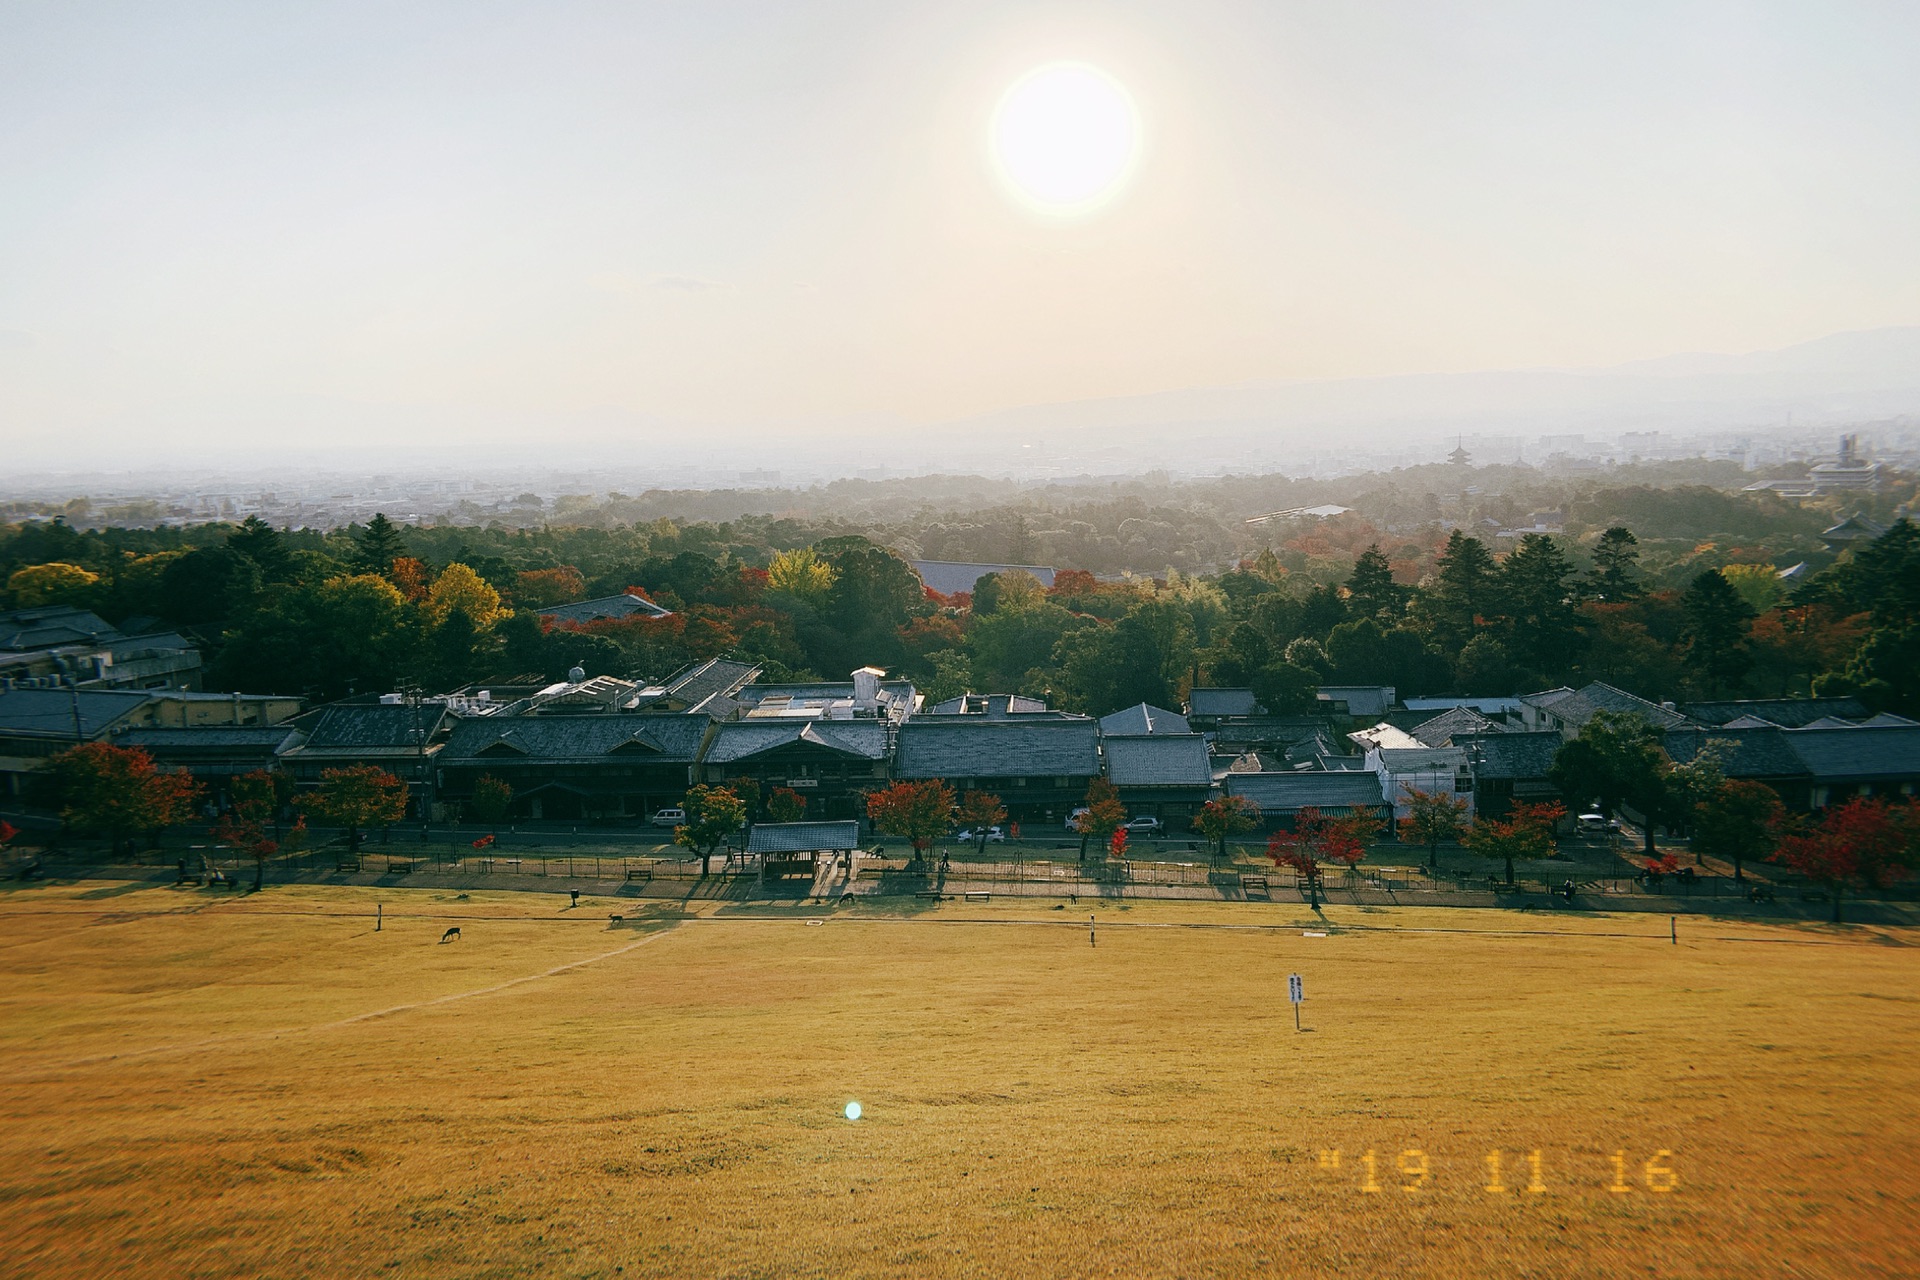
(1371, 591)
(1615, 566)
(261, 543)
(1464, 591)
(1544, 630)
(1718, 618)
(380, 546)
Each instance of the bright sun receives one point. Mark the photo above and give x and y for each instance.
(1065, 138)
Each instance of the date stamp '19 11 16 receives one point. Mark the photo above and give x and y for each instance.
(1411, 1170)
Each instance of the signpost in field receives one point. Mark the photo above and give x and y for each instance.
(1296, 992)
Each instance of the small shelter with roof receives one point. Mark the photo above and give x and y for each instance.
(794, 848)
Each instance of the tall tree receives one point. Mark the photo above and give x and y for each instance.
(713, 814)
(1717, 624)
(1371, 590)
(784, 804)
(362, 795)
(378, 546)
(1463, 591)
(1613, 576)
(1526, 832)
(492, 798)
(1864, 843)
(1543, 626)
(1617, 759)
(261, 543)
(1738, 821)
(253, 799)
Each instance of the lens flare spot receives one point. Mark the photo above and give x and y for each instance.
(853, 1111)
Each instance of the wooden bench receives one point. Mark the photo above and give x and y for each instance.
(1250, 883)
(349, 864)
(1503, 887)
(400, 868)
(640, 873)
(978, 895)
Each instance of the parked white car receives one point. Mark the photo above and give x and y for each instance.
(994, 835)
(1142, 826)
(670, 818)
(1075, 817)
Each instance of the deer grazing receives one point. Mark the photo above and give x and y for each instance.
(451, 935)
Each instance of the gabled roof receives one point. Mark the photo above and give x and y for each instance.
(1757, 752)
(1512, 756)
(703, 681)
(664, 738)
(1144, 718)
(1461, 720)
(998, 705)
(1578, 708)
(740, 739)
(212, 737)
(603, 609)
(51, 713)
(1423, 759)
(49, 625)
(963, 747)
(1858, 752)
(803, 837)
(1788, 713)
(1157, 760)
(347, 726)
(1361, 699)
(1280, 793)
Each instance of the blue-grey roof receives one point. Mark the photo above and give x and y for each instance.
(1890, 752)
(49, 625)
(1157, 760)
(1485, 706)
(1144, 718)
(673, 738)
(1581, 706)
(1513, 757)
(716, 677)
(50, 713)
(803, 837)
(606, 608)
(949, 577)
(1221, 702)
(1440, 729)
(263, 737)
(1361, 699)
(347, 726)
(1762, 752)
(1788, 713)
(740, 739)
(1278, 793)
(963, 747)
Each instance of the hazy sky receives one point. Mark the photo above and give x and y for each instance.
(224, 222)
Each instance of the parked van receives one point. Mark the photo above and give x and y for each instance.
(670, 818)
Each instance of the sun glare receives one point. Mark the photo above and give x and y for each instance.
(1065, 138)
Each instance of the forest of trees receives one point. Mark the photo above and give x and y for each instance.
(1680, 597)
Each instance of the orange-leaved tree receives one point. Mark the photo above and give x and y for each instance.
(1102, 815)
(980, 812)
(362, 795)
(713, 814)
(918, 812)
(116, 791)
(1318, 838)
(786, 805)
(1432, 816)
(1227, 816)
(1526, 832)
(252, 801)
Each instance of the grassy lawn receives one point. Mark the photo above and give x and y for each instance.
(266, 1086)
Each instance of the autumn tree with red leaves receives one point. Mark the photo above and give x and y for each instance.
(1866, 843)
(253, 799)
(918, 812)
(1317, 839)
(980, 811)
(1101, 815)
(1526, 832)
(116, 791)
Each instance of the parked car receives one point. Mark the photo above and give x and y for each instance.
(1592, 824)
(994, 835)
(1142, 826)
(1075, 817)
(670, 818)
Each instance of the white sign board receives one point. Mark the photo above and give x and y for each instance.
(1295, 990)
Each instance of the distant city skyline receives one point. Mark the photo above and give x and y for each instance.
(241, 234)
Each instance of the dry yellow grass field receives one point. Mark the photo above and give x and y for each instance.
(266, 1086)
